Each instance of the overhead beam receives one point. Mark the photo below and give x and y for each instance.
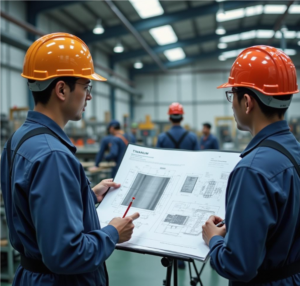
(36, 7)
(193, 59)
(165, 19)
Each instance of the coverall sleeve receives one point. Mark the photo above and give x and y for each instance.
(216, 144)
(55, 199)
(159, 142)
(250, 215)
(114, 151)
(100, 154)
(196, 144)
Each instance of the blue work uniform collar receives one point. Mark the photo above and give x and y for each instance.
(52, 125)
(274, 128)
(177, 127)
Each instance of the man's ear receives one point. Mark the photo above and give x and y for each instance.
(60, 90)
(249, 103)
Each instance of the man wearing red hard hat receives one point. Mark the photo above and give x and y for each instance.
(260, 241)
(177, 137)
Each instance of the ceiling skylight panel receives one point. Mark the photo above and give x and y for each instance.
(287, 34)
(254, 10)
(264, 34)
(294, 9)
(274, 9)
(175, 54)
(231, 38)
(164, 35)
(147, 9)
(248, 35)
(231, 54)
(290, 52)
(230, 15)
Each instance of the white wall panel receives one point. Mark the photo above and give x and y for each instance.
(167, 88)
(186, 87)
(5, 97)
(145, 84)
(17, 57)
(121, 110)
(19, 90)
(142, 111)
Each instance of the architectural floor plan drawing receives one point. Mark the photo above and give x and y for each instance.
(174, 195)
(185, 219)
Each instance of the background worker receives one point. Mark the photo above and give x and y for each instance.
(177, 137)
(49, 204)
(260, 244)
(115, 147)
(208, 141)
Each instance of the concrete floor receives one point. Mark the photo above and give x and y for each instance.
(132, 269)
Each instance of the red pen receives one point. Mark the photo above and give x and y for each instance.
(133, 198)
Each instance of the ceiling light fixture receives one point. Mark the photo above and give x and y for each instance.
(98, 28)
(220, 30)
(119, 48)
(284, 28)
(138, 64)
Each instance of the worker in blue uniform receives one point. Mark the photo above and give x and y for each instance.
(208, 141)
(49, 204)
(260, 241)
(115, 147)
(177, 137)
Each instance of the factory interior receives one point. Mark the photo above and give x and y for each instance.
(155, 54)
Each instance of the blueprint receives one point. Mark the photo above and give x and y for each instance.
(175, 193)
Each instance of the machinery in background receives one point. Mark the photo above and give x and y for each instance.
(226, 132)
(147, 132)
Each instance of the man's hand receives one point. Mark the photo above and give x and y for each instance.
(124, 226)
(102, 188)
(210, 229)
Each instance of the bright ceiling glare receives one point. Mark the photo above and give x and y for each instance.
(290, 52)
(222, 58)
(175, 54)
(147, 8)
(222, 45)
(284, 28)
(274, 9)
(287, 34)
(220, 30)
(298, 43)
(230, 15)
(294, 9)
(164, 35)
(138, 65)
(119, 48)
(98, 30)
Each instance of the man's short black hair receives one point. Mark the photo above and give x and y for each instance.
(176, 118)
(266, 110)
(44, 96)
(206, 124)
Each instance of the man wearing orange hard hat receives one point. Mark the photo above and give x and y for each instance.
(259, 242)
(49, 204)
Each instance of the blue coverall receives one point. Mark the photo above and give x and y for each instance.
(117, 150)
(209, 142)
(104, 146)
(262, 212)
(190, 142)
(51, 211)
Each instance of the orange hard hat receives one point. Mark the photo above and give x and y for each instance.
(175, 108)
(58, 55)
(265, 69)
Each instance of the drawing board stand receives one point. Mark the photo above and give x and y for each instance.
(171, 264)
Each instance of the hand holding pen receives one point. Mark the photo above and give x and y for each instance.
(125, 225)
(213, 226)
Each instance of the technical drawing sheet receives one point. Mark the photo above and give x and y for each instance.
(175, 192)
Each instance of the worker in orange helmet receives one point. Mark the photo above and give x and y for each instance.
(177, 137)
(49, 204)
(259, 242)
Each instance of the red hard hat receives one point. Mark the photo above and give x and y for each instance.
(175, 108)
(265, 69)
